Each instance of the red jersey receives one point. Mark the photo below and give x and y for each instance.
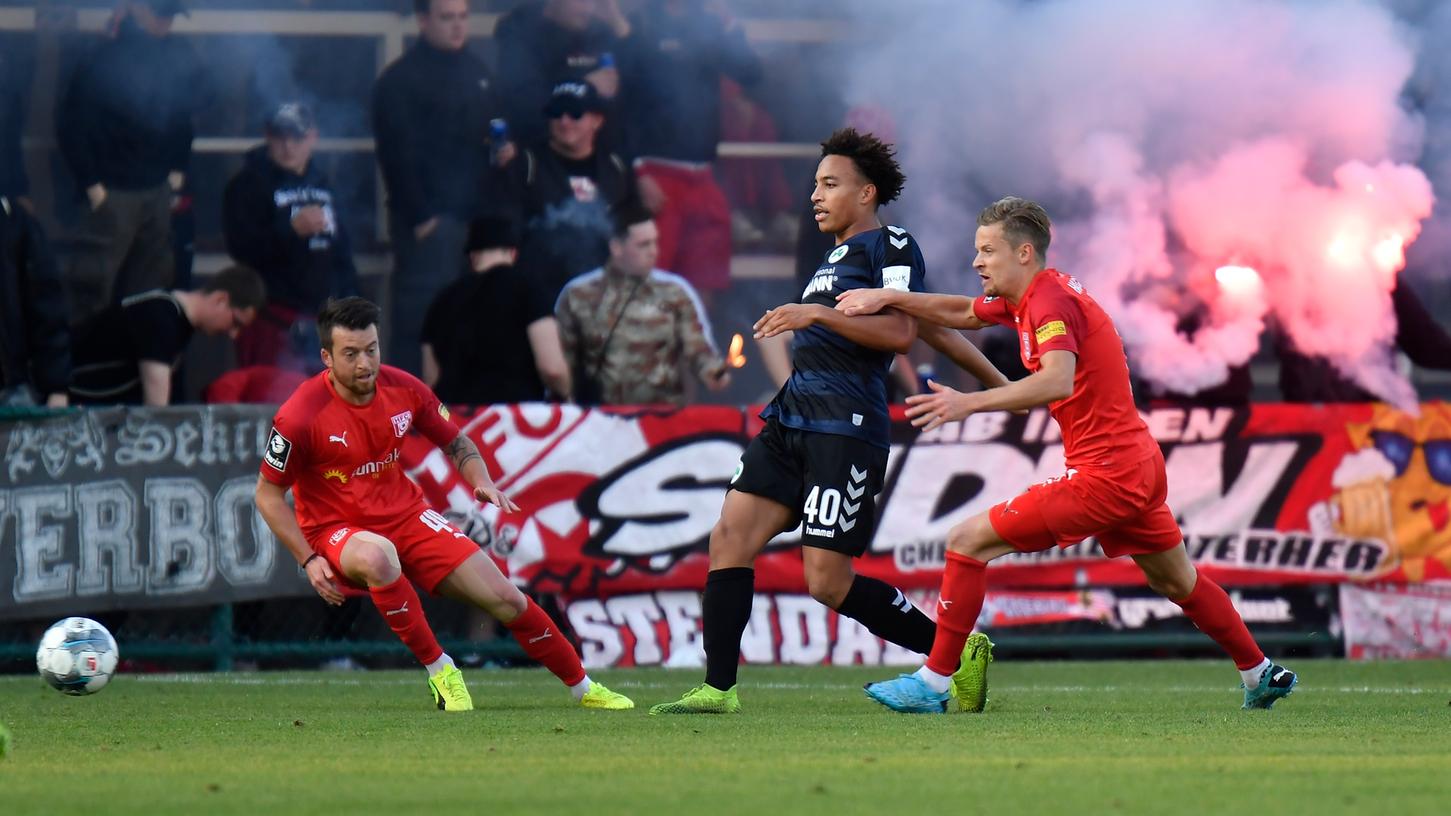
(1101, 427)
(342, 460)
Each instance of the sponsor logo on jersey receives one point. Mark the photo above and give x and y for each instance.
(279, 448)
(823, 281)
(335, 474)
(343, 440)
(838, 253)
(1050, 330)
(896, 277)
(401, 423)
(375, 469)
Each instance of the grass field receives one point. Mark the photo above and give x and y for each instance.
(1144, 737)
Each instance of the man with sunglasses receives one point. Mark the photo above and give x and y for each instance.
(564, 188)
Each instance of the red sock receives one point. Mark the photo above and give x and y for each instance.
(964, 582)
(1214, 614)
(544, 643)
(399, 606)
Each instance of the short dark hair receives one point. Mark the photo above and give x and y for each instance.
(422, 6)
(874, 159)
(352, 313)
(1024, 222)
(244, 287)
(627, 216)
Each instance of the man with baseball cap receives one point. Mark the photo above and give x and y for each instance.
(280, 217)
(562, 185)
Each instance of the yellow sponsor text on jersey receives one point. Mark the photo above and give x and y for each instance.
(1050, 330)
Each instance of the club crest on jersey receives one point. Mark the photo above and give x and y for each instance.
(279, 448)
(1075, 285)
(401, 422)
(838, 253)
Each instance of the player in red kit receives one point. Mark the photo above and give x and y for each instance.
(361, 523)
(1115, 484)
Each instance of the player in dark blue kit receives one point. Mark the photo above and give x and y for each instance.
(822, 456)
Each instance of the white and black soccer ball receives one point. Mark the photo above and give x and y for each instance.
(77, 656)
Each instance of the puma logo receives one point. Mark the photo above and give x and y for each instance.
(546, 634)
(400, 610)
(342, 439)
(1279, 674)
(944, 603)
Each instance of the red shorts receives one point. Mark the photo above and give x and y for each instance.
(429, 548)
(1124, 507)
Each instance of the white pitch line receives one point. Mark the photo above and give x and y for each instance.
(484, 679)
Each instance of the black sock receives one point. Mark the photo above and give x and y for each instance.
(886, 613)
(725, 610)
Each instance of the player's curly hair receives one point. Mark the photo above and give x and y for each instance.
(1024, 222)
(873, 157)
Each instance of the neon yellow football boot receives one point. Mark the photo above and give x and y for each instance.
(969, 682)
(449, 691)
(605, 700)
(703, 699)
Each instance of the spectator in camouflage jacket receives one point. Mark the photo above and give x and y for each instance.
(627, 328)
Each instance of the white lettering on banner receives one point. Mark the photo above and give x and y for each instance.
(107, 526)
(181, 554)
(931, 473)
(784, 628)
(1397, 622)
(1196, 484)
(683, 622)
(40, 545)
(804, 641)
(669, 500)
(235, 501)
(600, 644)
(640, 613)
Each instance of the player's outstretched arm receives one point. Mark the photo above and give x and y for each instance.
(953, 311)
(465, 456)
(272, 504)
(962, 353)
(1052, 382)
(889, 331)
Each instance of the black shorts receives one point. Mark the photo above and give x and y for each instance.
(829, 481)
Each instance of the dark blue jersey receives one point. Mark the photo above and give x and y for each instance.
(838, 386)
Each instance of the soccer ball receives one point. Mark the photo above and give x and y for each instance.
(77, 656)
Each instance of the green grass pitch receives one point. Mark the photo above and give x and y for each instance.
(1071, 738)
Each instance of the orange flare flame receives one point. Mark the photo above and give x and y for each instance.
(734, 357)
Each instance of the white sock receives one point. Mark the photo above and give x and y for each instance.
(936, 682)
(443, 662)
(1251, 677)
(580, 689)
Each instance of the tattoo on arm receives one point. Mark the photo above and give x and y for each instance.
(461, 450)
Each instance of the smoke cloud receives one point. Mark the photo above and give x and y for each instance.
(1225, 162)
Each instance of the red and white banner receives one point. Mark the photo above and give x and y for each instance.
(1397, 621)
(620, 501)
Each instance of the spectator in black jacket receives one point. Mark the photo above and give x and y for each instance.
(544, 43)
(280, 218)
(564, 188)
(431, 112)
(1306, 378)
(671, 69)
(14, 88)
(35, 343)
(125, 128)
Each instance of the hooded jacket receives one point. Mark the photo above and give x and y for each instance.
(257, 211)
